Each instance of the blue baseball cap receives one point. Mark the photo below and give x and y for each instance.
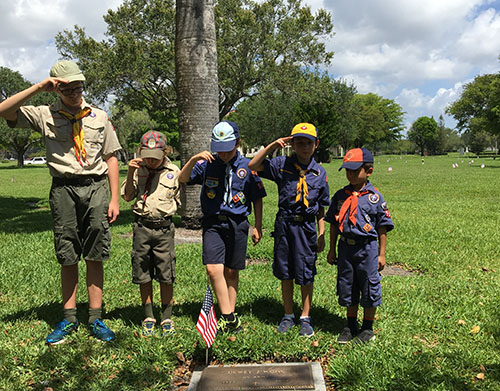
(355, 158)
(224, 136)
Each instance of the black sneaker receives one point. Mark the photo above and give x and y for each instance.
(364, 336)
(345, 336)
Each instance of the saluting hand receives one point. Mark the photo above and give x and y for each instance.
(135, 163)
(205, 155)
(281, 142)
(50, 84)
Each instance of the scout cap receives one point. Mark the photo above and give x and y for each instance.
(224, 136)
(153, 144)
(356, 157)
(305, 130)
(68, 70)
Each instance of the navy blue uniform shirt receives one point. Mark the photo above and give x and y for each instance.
(281, 170)
(372, 213)
(246, 186)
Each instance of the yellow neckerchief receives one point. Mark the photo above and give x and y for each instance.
(302, 191)
(80, 151)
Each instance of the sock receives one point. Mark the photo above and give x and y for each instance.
(166, 311)
(352, 323)
(367, 324)
(94, 314)
(305, 317)
(70, 314)
(148, 310)
(228, 317)
(292, 316)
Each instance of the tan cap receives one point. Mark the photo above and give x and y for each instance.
(68, 70)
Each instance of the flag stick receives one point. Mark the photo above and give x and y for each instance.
(206, 357)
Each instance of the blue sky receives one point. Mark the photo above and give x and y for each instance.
(418, 52)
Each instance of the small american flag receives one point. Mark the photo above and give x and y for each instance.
(207, 322)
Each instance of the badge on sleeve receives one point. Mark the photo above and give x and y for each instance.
(211, 182)
(387, 213)
(170, 175)
(373, 198)
(239, 197)
(211, 193)
(367, 227)
(242, 173)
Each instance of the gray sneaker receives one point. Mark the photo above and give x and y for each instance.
(345, 336)
(364, 336)
(287, 322)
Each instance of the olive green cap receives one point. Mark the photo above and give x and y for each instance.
(68, 70)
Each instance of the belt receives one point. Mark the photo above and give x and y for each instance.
(153, 223)
(226, 217)
(297, 218)
(354, 242)
(83, 180)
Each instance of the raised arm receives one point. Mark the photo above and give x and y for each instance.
(9, 107)
(185, 173)
(257, 163)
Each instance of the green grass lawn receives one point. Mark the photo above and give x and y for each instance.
(445, 232)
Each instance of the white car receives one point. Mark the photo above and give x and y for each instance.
(36, 160)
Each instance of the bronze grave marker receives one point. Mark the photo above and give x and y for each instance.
(298, 377)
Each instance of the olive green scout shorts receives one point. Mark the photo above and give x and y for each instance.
(79, 209)
(153, 254)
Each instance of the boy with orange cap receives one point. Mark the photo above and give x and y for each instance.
(358, 215)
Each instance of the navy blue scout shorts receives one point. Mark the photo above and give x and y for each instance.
(295, 245)
(358, 274)
(225, 241)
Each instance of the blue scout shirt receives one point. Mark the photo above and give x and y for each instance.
(372, 213)
(246, 186)
(281, 170)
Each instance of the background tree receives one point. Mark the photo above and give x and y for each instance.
(19, 140)
(478, 108)
(377, 120)
(424, 133)
(259, 44)
(197, 92)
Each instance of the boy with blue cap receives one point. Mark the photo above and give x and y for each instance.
(358, 215)
(303, 195)
(228, 190)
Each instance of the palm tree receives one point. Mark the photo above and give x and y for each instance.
(197, 88)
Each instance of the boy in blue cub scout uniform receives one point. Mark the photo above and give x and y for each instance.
(228, 190)
(153, 181)
(303, 195)
(80, 144)
(359, 215)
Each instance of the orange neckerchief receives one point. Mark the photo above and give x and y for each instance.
(352, 203)
(302, 190)
(80, 151)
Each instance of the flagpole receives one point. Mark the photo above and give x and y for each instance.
(206, 357)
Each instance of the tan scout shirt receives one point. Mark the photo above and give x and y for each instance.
(100, 138)
(164, 197)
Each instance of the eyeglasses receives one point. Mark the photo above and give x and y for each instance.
(71, 91)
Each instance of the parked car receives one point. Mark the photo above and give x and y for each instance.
(36, 160)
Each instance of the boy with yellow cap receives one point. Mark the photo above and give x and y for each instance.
(303, 195)
(80, 145)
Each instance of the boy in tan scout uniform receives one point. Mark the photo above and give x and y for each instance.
(80, 147)
(153, 181)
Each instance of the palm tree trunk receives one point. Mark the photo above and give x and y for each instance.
(197, 89)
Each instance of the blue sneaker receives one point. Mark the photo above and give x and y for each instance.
(287, 322)
(306, 328)
(62, 329)
(101, 331)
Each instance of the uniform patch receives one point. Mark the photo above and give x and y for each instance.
(384, 205)
(387, 213)
(211, 182)
(239, 197)
(373, 198)
(92, 115)
(242, 173)
(211, 194)
(170, 175)
(367, 227)
(368, 219)
(151, 143)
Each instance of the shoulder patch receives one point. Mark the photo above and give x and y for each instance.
(373, 198)
(242, 173)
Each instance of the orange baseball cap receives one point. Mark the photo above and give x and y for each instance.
(355, 158)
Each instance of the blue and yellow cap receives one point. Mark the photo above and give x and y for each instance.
(305, 130)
